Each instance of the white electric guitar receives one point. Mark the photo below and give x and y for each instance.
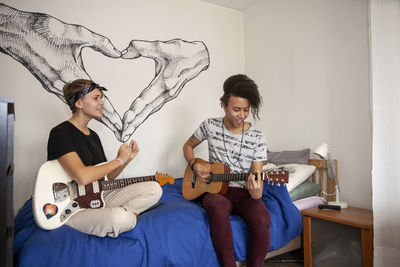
(56, 196)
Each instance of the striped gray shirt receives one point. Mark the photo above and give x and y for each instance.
(254, 147)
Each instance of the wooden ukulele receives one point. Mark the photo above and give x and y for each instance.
(193, 188)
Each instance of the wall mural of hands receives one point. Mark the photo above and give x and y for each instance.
(177, 62)
(51, 50)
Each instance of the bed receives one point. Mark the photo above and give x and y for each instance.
(311, 186)
(175, 233)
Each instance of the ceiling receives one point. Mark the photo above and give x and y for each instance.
(235, 4)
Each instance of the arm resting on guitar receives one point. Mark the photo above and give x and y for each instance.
(203, 170)
(82, 174)
(254, 186)
(188, 148)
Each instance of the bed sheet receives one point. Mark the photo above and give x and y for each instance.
(175, 233)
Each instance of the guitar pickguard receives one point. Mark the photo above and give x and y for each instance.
(90, 200)
(70, 209)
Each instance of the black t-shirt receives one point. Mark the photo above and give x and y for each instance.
(65, 138)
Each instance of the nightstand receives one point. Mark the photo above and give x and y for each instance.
(352, 230)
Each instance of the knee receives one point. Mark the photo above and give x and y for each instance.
(155, 190)
(260, 218)
(125, 220)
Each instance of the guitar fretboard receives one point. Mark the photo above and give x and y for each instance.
(119, 183)
(226, 177)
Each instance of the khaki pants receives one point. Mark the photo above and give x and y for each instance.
(119, 212)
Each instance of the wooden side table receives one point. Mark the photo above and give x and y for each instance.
(356, 217)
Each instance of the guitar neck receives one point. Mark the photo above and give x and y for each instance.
(271, 176)
(119, 183)
(227, 177)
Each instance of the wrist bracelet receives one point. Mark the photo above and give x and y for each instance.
(120, 160)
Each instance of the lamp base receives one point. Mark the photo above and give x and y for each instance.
(343, 205)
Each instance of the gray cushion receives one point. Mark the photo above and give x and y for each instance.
(305, 189)
(286, 157)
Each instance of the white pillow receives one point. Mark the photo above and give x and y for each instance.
(298, 173)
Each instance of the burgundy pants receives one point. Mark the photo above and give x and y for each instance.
(252, 211)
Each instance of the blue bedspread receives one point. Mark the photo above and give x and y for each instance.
(175, 233)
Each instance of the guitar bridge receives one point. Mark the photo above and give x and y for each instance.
(60, 192)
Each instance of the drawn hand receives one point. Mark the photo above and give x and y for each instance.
(176, 62)
(51, 50)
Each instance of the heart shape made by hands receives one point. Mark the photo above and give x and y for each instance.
(176, 62)
(51, 50)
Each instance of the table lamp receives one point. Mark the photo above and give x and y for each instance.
(323, 152)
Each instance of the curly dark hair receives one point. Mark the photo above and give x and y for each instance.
(242, 86)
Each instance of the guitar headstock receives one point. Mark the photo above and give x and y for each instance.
(162, 179)
(278, 176)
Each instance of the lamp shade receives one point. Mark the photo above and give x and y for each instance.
(322, 151)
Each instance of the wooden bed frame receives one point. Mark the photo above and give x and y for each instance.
(320, 177)
(327, 183)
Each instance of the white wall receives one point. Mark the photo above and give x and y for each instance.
(162, 135)
(311, 60)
